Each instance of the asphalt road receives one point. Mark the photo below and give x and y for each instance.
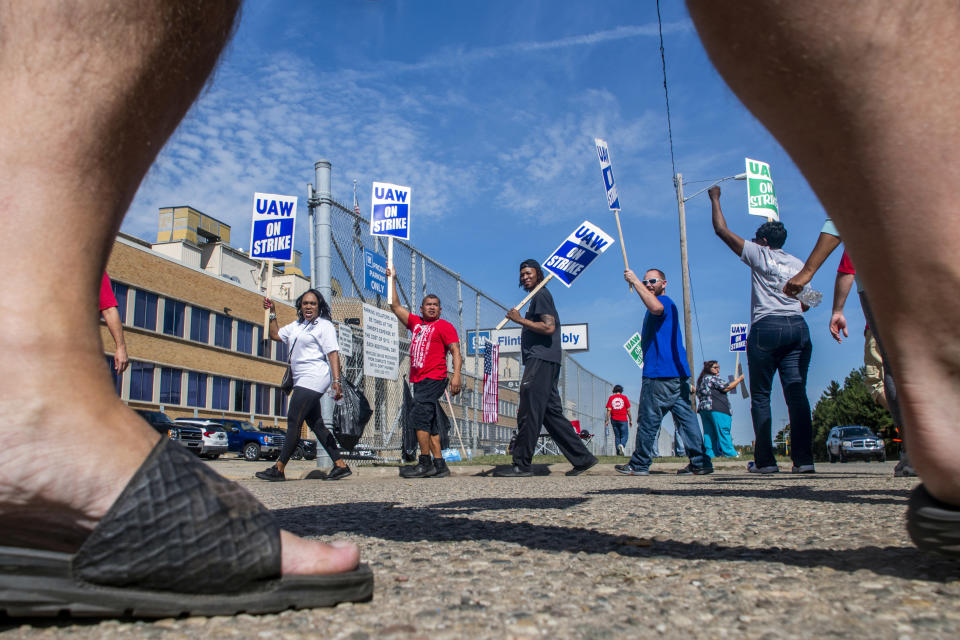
(729, 555)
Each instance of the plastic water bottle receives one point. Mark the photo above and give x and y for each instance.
(808, 295)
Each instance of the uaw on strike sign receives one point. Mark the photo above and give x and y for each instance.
(271, 231)
(390, 210)
(576, 253)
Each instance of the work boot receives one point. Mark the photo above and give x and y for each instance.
(423, 469)
(440, 469)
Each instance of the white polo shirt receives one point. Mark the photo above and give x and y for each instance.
(311, 342)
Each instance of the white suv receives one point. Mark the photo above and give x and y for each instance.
(214, 436)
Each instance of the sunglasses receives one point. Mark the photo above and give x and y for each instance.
(651, 281)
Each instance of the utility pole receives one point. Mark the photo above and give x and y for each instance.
(320, 241)
(685, 269)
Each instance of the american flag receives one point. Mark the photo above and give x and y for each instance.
(491, 379)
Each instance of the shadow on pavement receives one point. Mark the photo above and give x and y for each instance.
(441, 523)
(813, 494)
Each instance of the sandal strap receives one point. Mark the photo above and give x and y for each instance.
(180, 526)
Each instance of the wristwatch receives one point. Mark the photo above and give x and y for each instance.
(273, 316)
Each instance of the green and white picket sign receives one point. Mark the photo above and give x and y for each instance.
(634, 349)
(761, 197)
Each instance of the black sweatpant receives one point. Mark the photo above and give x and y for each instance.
(540, 405)
(305, 405)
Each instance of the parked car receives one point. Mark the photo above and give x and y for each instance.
(189, 436)
(214, 436)
(250, 442)
(306, 448)
(854, 441)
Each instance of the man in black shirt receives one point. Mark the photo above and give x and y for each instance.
(539, 397)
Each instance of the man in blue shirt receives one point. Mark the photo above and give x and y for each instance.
(666, 380)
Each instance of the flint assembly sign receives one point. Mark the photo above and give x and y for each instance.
(271, 231)
(761, 198)
(576, 253)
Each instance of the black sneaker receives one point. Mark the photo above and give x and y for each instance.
(692, 470)
(578, 470)
(338, 472)
(440, 469)
(512, 471)
(419, 470)
(272, 474)
(630, 470)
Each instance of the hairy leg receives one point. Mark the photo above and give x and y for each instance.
(92, 90)
(863, 96)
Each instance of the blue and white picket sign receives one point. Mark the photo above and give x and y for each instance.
(609, 186)
(738, 337)
(576, 253)
(272, 227)
(390, 211)
(374, 272)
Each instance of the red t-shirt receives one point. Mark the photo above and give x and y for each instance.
(107, 299)
(846, 264)
(619, 407)
(428, 348)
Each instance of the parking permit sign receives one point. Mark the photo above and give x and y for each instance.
(390, 211)
(603, 153)
(738, 337)
(576, 253)
(272, 227)
(374, 272)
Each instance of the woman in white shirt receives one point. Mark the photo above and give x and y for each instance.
(315, 362)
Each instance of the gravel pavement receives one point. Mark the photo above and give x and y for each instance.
(728, 555)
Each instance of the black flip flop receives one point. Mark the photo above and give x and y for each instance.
(933, 525)
(180, 540)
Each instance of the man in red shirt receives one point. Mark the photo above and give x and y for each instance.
(618, 413)
(432, 338)
(111, 316)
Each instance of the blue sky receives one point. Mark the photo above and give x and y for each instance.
(488, 111)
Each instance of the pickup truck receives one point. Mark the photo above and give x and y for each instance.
(244, 438)
(189, 436)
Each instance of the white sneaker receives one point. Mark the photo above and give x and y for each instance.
(753, 468)
(804, 468)
(620, 450)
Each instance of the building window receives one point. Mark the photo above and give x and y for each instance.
(196, 389)
(263, 347)
(244, 337)
(141, 381)
(223, 331)
(117, 377)
(145, 310)
(120, 293)
(173, 318)
(200, 325)
(263, 399)
(221, 393)
(281, 352)
(241, 396)
(279, 403)
(170, 385)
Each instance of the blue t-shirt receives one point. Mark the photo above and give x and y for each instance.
(663, 352)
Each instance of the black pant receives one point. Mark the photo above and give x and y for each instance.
(540, 405)
(305, 405)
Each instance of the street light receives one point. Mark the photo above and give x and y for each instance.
(685, 267)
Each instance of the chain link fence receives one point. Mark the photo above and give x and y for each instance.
(466, 308)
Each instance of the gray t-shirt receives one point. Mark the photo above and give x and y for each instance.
(770, 270)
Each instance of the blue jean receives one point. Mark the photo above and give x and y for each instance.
(657, 397)
(621, 431)
(716, 434)
(780, 344)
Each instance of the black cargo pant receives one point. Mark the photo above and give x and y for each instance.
(305, 405)
(540, 405)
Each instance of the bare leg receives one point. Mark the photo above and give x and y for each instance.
(92, 90)
(864, 96)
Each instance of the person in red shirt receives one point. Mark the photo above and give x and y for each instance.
(432, 338)
(618, 414)
(111, 316)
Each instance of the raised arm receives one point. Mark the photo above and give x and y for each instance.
(398, 310)
(720, 228)
(651, 301)
(274, 333)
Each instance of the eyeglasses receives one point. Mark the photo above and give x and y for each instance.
(651, 281)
